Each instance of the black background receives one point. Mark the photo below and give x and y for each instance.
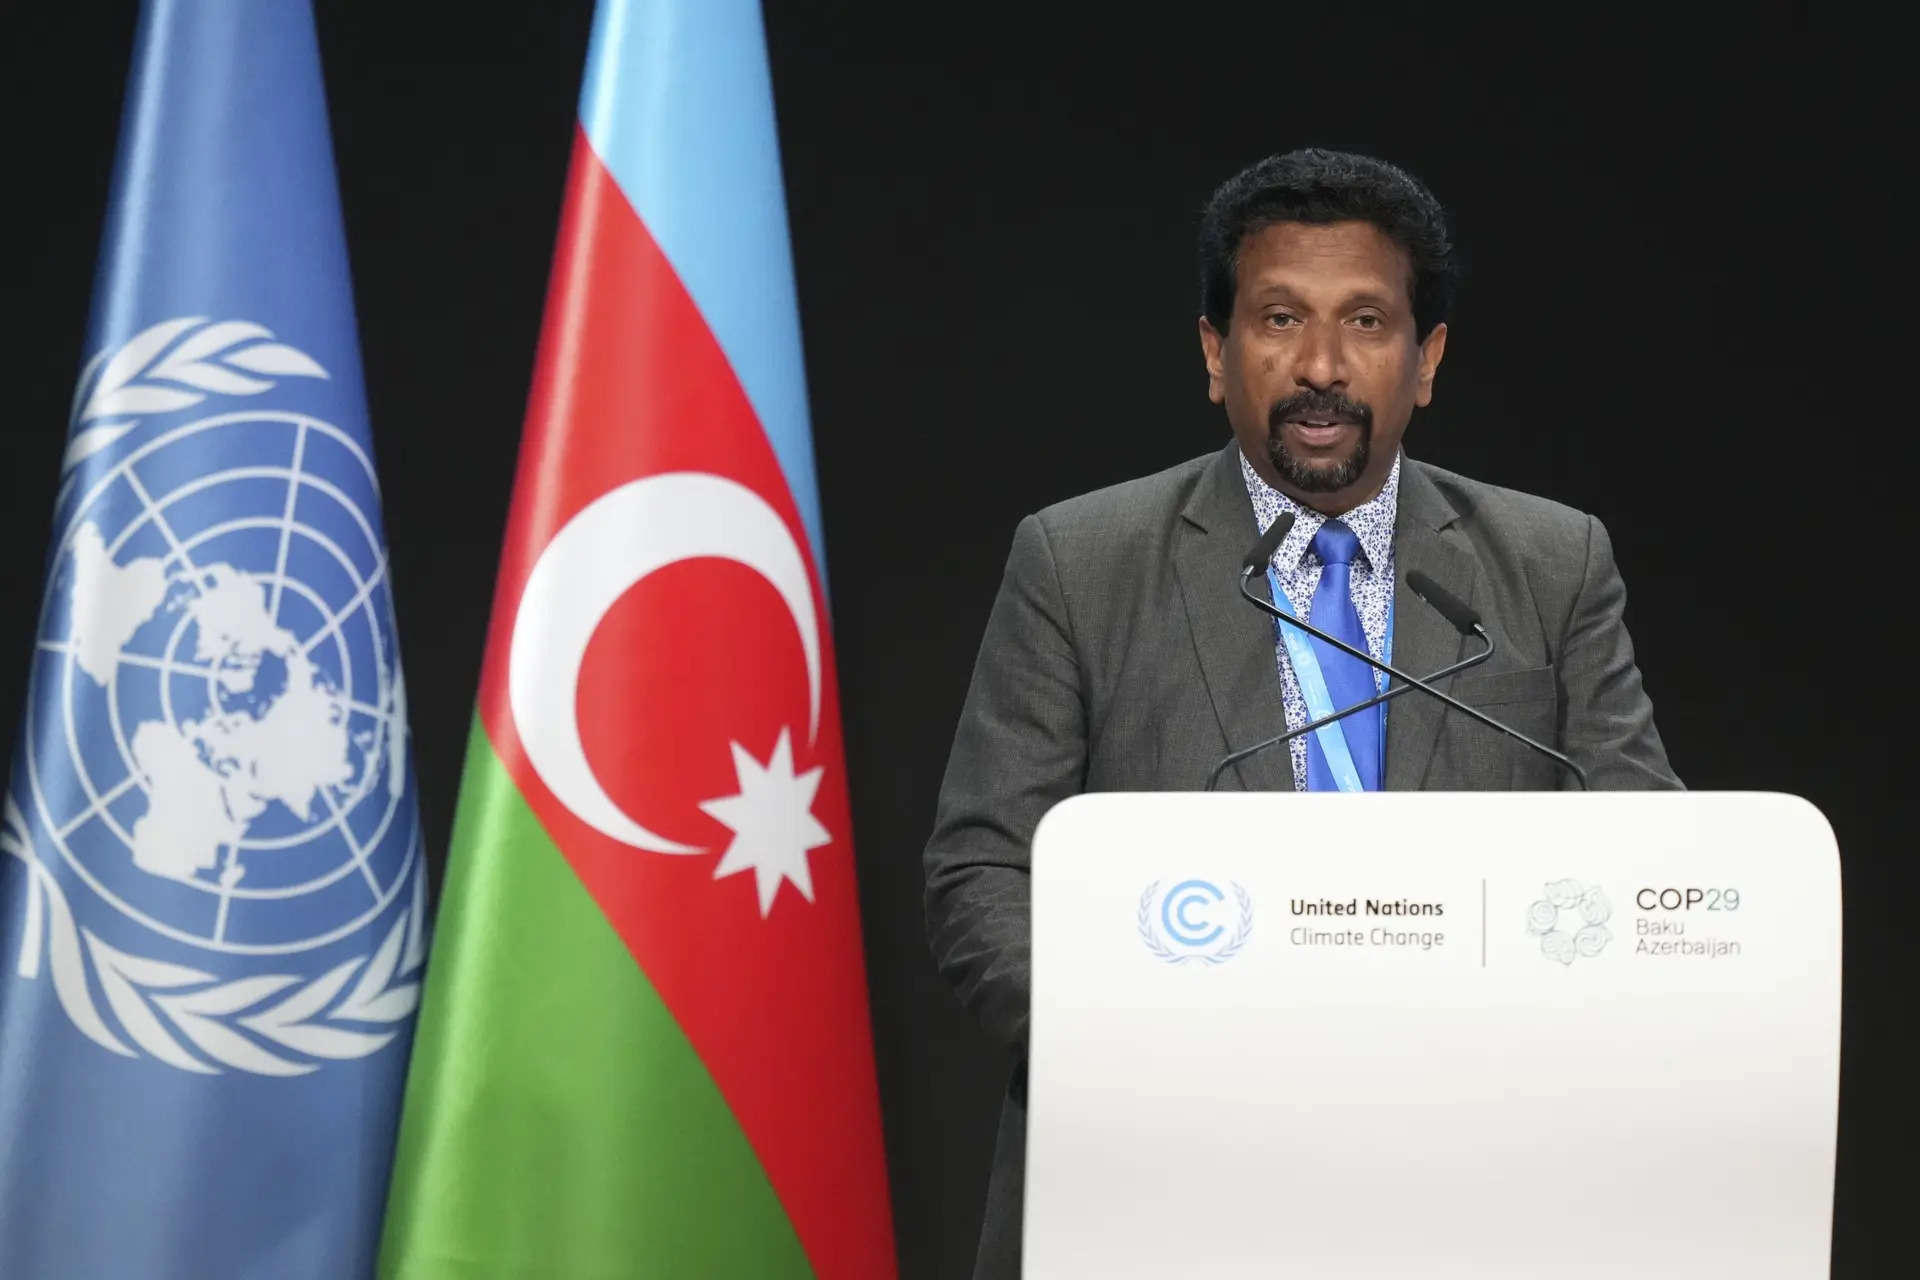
(1677, 283)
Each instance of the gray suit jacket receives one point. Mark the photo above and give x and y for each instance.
(1119, 657)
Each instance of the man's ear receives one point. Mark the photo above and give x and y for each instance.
(1430, 352)
(1212, 342)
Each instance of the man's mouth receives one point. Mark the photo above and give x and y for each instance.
(1318, 430)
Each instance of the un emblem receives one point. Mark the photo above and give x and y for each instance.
(1193, 921)
(213, 797)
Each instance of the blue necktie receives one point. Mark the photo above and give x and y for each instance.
(1349, 680)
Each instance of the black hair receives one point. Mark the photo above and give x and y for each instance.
(1319, 186)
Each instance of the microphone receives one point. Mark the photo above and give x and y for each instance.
(1270, 541)
(1443, 602)
(1447, 605)
(1431, 593)
(1213, 779)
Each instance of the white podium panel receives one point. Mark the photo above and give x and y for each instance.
(1551, 1036)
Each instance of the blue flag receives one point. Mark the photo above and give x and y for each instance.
(211, 899)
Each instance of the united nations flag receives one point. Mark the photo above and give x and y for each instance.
(211, 903)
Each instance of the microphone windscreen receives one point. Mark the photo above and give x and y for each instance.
(1444, 602)
(1269, 542)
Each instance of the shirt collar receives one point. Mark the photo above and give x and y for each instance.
(1371, 521)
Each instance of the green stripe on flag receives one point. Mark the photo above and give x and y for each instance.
(557, 1121)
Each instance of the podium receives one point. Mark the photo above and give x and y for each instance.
(1540, 1035)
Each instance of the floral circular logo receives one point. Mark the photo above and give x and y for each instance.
(1570, 920)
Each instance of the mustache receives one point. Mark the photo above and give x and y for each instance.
(1330, 405)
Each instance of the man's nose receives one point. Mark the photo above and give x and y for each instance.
(1321, 362)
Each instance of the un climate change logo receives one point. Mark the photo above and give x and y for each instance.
(1194, 921)
(215, 772)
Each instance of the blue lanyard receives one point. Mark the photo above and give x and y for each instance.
(1313, 687)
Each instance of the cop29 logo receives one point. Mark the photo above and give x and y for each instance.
(1570, 919)
(1194, 921)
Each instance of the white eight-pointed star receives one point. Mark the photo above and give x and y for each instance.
(772, 822)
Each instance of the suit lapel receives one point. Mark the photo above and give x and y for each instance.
(1234, 641)
(1422, 640)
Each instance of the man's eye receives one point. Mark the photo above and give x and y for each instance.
(1281, 320)
(1367, 321)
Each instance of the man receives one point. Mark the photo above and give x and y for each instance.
(1119, 656)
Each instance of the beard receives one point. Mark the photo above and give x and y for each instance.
(1331, 406)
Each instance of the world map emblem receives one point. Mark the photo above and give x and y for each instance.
(212, 795)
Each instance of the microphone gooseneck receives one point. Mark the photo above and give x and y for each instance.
(1464, 620)
(1394, 691)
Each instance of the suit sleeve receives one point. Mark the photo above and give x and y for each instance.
(1021, 746)
(1606, 716)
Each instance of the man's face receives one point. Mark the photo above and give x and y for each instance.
(1319, 369)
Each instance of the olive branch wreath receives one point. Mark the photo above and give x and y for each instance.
(1243, 929)
(227, 357)
(152, 1000)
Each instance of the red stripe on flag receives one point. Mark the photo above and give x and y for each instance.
(630, 382)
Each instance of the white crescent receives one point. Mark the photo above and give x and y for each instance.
(615, 541)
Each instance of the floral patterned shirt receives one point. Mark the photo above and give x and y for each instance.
(1299, 572)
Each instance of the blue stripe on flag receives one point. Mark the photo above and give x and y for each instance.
(678, 104)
